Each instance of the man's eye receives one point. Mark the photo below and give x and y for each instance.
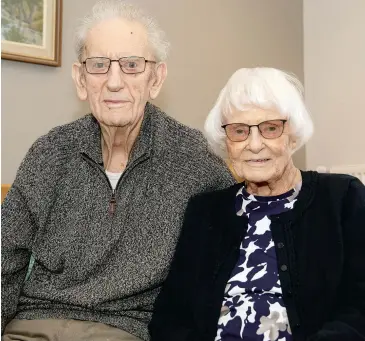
(99, 65)
(131, 65)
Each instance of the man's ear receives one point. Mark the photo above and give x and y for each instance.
(79, 79)
(158, 79)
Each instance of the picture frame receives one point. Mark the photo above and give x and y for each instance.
(31, 31)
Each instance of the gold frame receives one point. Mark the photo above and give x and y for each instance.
(50, 53)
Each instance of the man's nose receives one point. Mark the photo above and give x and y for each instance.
(115, 77)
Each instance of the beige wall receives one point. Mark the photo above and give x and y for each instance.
(210, 40)
(334, 64)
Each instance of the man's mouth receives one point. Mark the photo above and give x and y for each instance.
(112, 103)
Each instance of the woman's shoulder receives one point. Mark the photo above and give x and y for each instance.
(340, 181)
(334, 186)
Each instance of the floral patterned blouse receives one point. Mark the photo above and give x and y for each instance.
(253, 308)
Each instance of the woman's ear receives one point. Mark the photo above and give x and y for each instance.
(79, 79)
(293, 144)
(158, 79)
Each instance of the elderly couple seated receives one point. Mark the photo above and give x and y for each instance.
(138, 230)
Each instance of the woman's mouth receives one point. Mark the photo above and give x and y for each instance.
(257, 161)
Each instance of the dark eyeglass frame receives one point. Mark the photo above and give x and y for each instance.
(119, 62)
(224, 126)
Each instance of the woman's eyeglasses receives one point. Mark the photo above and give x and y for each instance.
(238, 132)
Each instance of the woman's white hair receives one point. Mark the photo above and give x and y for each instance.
(110, 9)
(262, 87)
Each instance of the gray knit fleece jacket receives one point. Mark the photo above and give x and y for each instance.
(95, 260)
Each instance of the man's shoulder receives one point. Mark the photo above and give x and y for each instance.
(186, 149)
(71, 131)
(49, 153)
(215, 198)
(217, 194)
(63, 136)
(171, 129)
(180, 140)
(185, 145)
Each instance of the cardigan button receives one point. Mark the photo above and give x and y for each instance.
(280, 245)
(284, 267)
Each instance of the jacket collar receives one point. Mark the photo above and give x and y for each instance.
(304, 198)
(90, 137)
(225, 217)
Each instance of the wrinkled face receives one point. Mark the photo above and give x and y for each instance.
(258, 159)
(116, 98)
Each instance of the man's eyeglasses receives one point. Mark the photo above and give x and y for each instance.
(238, 132)
(129, 65)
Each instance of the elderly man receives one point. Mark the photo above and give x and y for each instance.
(99, 202)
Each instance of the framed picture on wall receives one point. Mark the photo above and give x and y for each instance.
(31, 31)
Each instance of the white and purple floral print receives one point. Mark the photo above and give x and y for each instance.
(253, 308)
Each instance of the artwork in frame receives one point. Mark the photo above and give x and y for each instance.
(31, 31)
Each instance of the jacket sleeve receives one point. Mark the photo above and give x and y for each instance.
(18, 229)
(172, 319)
(348, 323)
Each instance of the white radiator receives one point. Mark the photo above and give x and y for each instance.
(354, 170)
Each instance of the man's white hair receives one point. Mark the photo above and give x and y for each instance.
(262, 87)
(110, 9)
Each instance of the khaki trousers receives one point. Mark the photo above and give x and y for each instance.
(63, 330)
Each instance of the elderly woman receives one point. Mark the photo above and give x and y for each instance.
(280, 256)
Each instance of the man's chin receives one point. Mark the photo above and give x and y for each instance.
(116, 119)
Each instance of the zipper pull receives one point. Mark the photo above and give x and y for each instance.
(112, 203)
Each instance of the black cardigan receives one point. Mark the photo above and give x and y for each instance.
(321, 242)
